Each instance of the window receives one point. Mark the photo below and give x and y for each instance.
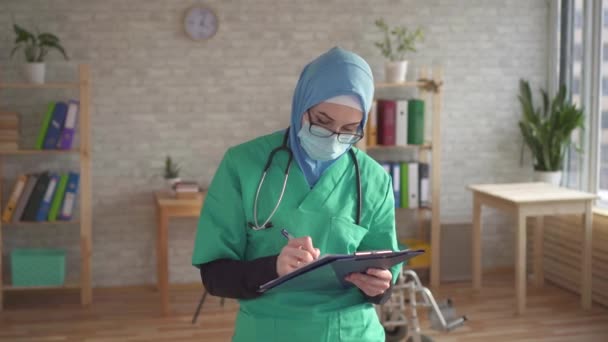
(604, 154)
(574, 160)
(576, 85)
(589, 76)
(605, 119)
(586, 71)
(603, 107)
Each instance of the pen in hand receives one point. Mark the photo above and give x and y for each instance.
(313, 251)
(286, 234)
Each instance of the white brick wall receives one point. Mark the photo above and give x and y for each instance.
(157, 92)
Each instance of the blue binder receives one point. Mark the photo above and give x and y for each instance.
(69, 198)
(45, 205)
(328, 272)
(53, 133)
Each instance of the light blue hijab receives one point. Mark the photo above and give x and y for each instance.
(336, 72)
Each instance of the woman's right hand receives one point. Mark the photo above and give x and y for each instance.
(297, 253)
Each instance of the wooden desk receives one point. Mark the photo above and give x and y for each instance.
(167, 207)
(532, 199)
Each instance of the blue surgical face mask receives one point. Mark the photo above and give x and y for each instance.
(320, 148)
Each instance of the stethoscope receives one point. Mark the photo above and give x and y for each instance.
(268, 224)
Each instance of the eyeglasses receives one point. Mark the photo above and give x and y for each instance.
(323, 132)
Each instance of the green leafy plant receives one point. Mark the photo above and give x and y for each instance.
(36, 46)
(397, 41)
(547, 130)
(171, 168)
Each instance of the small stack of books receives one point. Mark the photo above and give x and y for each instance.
(186, 189)
(9, 131)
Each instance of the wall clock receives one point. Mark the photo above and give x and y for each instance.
(200, 23)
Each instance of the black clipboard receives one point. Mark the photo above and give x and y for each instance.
(328, 272)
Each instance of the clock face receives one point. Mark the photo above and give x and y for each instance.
(200, 23)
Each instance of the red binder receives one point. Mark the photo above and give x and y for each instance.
(387, 115)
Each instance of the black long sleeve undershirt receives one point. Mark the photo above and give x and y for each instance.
(241, 279)
(238, 279)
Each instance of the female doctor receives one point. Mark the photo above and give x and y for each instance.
(310, 180)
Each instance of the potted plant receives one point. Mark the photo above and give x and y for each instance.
(396, 43)
(547, 130)
(171, 172)
(35, 47)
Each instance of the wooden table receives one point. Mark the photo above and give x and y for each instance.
(532, 199)
(169, 206)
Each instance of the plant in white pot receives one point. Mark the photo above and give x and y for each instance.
(171, 172)
(547, 130)
(35, 47)
(396, 43)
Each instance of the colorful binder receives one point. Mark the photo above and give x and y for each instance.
(413, 185)
(424, 191)
(405, 193)
(415, 134)
(67, 132)
(58, 197)
(14, 198)
(53, 131)
(401, 123)
(32, 179)
(386, 122)
(45, 205)
(45, 125)
(33, 203)
(372, 126)
(69, 199)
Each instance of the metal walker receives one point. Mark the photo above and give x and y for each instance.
(394, 313)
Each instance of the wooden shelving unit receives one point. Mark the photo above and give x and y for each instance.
(67, 286)
(25, 152)
(430, 92)
(84, 190)
(40, 86)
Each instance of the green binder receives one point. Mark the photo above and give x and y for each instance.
(58, 197)
(45, 125)
(415, 122)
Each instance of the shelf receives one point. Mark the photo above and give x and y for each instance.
(39, 86)
(426, 146)
(382, 85)
(397, 153)
(81, 87)
(419, 208)
(41, 223)
(66, 286)
(37, 152)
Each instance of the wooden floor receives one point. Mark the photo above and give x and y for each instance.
(132, 315)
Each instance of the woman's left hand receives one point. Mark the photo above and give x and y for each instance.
(373, 283)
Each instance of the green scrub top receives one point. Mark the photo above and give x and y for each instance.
(326, 213)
